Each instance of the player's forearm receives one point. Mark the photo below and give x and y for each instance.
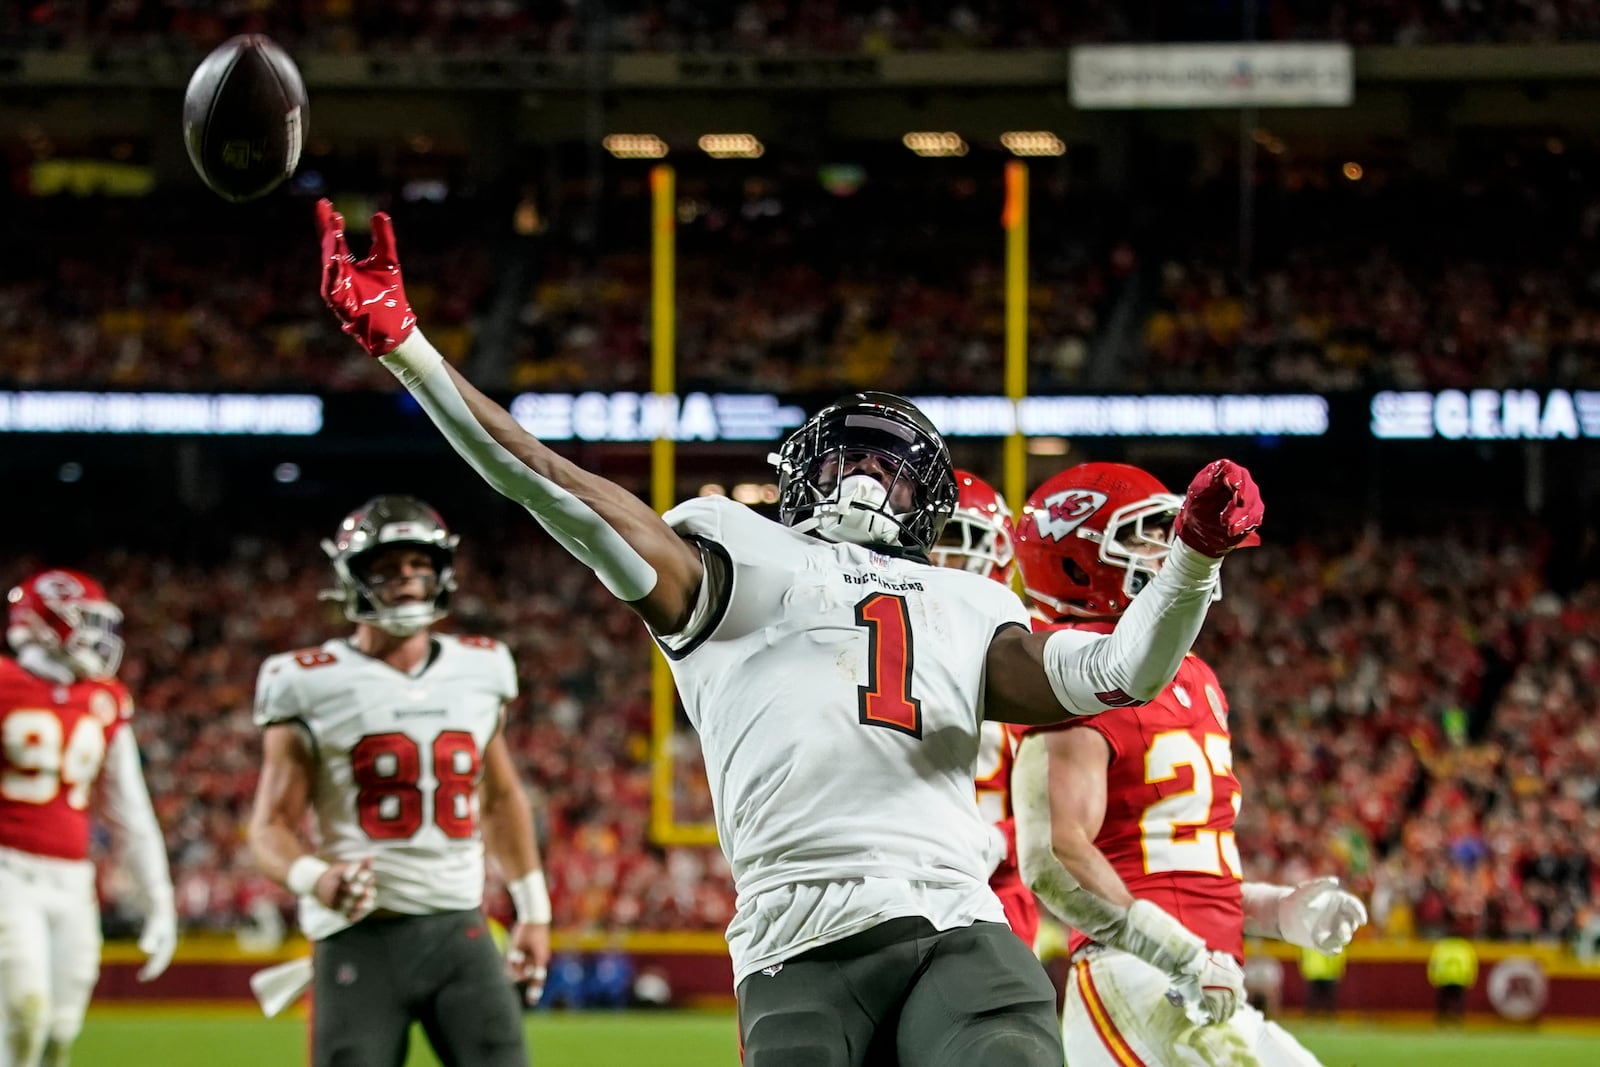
(1141, 656)
(1261, 901)
(507, 823)
(608, 529)
(126, 807)
(1055, 856)
(275, 847)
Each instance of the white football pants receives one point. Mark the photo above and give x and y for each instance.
(49, 955)
(1117, 1015)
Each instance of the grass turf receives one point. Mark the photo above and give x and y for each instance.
(190, 1038)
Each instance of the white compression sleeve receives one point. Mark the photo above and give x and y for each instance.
(1037, 863)
(1136, 661)
(125, 803)
(573, 524)
(1261, 900)
(1143, 929)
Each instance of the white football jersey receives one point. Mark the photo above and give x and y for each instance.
(398, 761)
(838, 695)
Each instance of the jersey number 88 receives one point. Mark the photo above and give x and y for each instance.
(390, 803)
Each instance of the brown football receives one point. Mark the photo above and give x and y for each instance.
(244, 117)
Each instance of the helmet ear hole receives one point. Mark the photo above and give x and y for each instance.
(1075, 573)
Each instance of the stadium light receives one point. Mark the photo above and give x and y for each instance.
(935, 143)
(1032, 143)
(732, 146)
(635, 145)
(1352, 171)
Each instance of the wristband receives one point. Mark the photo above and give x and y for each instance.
(531, 898)
(304, 874)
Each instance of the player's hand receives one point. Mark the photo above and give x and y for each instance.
(1221, 511)
(1210, 990)
(349, 888)
(368, 296)
(1319, 915)
(158, 940)
(528, 958)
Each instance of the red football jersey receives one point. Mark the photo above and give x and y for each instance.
(53, 741)
(997, 750)
(1171, 801)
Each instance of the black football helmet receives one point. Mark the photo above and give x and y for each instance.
(380, 523)
(889, 439)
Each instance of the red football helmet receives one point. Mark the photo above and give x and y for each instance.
(1091, 537)
(980, 535)
(67, 614)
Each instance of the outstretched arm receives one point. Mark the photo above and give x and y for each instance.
(1058, 789)
(1040, 677)
(1315, 914)
(636, 554)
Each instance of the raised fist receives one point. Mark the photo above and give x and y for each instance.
(1221, 511)
(368, 295)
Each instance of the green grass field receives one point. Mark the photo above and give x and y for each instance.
(228, 1038)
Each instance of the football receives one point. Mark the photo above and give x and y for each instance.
(244, 117)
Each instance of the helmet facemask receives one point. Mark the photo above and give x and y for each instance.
(980, 536)
(871, 471)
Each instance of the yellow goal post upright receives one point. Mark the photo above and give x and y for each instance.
(665, 829)
(1014, 218)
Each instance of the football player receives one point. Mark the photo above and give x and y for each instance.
(980, 538)
(837, 681)
(66, 745)
(394, 738)
(1124, 821)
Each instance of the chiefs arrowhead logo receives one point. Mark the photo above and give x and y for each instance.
(58, 584)
(1064, 512)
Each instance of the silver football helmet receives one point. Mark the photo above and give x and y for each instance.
(380, 523)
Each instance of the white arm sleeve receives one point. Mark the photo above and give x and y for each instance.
(125, 804)
(573, 524)
(1143, 928)
(1261, 900)
(1135, 662)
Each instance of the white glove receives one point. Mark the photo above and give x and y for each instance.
(1319, 915)
(1210, 989)
(158, 940)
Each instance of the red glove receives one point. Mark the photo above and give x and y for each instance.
(1221, 511)
(369, 297)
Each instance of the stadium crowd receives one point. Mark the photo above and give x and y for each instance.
(778, 26)
(1416, 715)
(790, 285)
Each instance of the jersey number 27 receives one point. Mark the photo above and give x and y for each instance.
(1173, 830)
(390, 802)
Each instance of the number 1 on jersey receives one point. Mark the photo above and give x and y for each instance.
(886, 699)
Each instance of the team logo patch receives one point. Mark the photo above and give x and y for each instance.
(1061, 513)
(346, 974)
(772, 972)
(58, 584)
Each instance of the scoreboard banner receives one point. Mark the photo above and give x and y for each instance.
(1441, 417)
(1211, 75)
